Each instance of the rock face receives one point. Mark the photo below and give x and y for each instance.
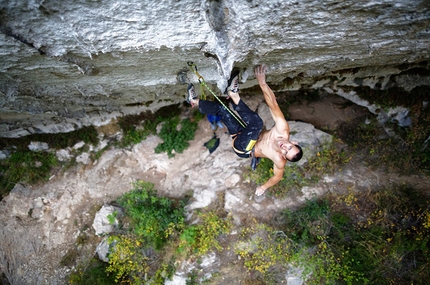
(67, 64)
(102, 224)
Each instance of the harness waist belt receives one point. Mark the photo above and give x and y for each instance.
(244, 153)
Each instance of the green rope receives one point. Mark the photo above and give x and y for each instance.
(203, 83)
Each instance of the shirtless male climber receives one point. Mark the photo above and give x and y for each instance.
(252, 140)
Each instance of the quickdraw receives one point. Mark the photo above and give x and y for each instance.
(202, 82)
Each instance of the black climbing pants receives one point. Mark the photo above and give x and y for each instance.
(244, 138)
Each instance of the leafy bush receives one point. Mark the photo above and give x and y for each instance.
(322, 265)
(165, 271)
(264, 249)
(92, 273)
(32, 167)
(175, 136)
(127, 259)
(310, 223)
(408, 152)
(25, 166)
(321, 261)
(134, 134)
(152, 218)
(380, 237)
(271, 252)
(198, 239)
(149, 221)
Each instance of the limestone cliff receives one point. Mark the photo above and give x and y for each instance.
(67, 64)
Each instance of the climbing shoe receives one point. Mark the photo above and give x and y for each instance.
(233, 83)
(191, 94)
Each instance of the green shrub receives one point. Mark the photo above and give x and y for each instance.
(92, 273)
(198, 239)
(378, 237)
(27, 167)
(264, 249)
(152, 218)
(308, 224)
(323, 265)
(32, 167)
(151, 221)
(112, 217)
(322, 260)
(408, 152)
(127, 259)
(303, 244)
(137, 127)
(134, 134)
(164, 272)
(192, 278)
(175, 136)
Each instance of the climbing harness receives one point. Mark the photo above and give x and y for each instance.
(202, 82)
(248, 150)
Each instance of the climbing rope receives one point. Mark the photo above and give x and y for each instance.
(202, 82)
